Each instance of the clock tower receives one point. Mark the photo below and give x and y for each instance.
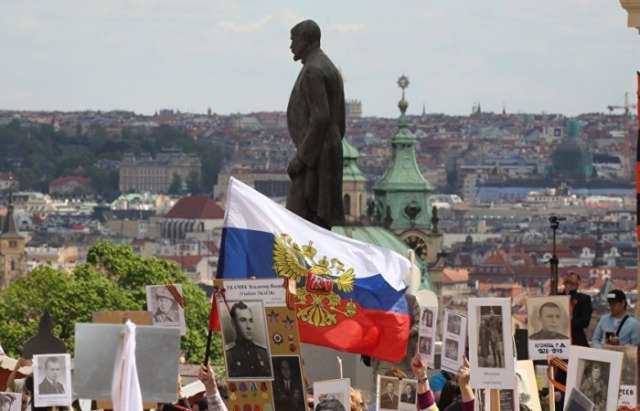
(402, 195)
(13, 259)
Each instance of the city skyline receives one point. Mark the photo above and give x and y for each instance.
(569, 56)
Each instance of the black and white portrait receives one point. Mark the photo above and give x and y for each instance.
(166, 306)
(10, 401)
(425, 345)
(331, 395)
(246, 345)
(408, 392)
(288, 386)
(548, 318)
(427, 318)
(388, 388)
(507, 400)
(577, 401)
(490, 338)
(527, 386)
(451, 349)
(52, 379)
(592, 381)
(454, 324)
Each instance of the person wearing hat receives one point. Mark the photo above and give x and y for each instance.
(167, 309)
(617, 327)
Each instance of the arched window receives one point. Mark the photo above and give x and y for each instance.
(346, 204)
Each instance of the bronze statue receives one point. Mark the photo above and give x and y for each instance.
(316, 121)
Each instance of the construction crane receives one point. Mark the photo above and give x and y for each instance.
(627, 107)
(630, 156)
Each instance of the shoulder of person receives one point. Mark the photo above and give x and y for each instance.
(260, 346)
(230, 346)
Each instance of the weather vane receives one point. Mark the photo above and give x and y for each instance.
(403, 83)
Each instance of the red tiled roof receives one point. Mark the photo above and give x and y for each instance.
(61, 181)
(196, 208)
(452, 275)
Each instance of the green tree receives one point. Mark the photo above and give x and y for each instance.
(194, 183)
(176, 185)
(113, 278)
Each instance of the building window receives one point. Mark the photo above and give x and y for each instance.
(13, 243)
(346, 204)
(13, 265)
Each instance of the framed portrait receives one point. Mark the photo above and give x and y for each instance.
(577, 401)
(166, 305)
(549, 327)
(10, 401)
(247, 353)
(388, 389)
(427, 333)
(595, 373)
(527, 386)
(490, 343)
(454, 337)
(500, 400)
(52, 380)
(331, 395)
(408, 395)
(288, 385)
(629, 379)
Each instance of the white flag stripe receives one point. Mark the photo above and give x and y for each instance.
(246, 208)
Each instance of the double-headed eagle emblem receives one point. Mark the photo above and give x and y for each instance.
(316, 280)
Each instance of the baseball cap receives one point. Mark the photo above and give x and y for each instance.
(616, 296)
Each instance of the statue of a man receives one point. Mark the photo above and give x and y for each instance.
(316, 121)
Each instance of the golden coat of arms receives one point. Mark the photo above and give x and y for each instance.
(316, 279)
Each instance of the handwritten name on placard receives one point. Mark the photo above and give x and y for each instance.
(271, 292)
(542, 349)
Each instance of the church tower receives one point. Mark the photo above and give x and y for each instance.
(354, 184)
(13, 259)
(402, 197)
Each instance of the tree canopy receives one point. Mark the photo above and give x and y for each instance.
(113, 278)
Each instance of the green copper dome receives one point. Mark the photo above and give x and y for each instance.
(350, 169)
(402, 194)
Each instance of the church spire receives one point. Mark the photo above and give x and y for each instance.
(403, 192)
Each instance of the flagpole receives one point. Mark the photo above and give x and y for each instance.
(208, 350)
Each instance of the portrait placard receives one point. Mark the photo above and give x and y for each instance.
(52, 380)
(157, 354)
(527, 386)
(331, 394)
(454, 336)
(270, 291)
(288, 384)
(427, 333)
(247, 352)
(396, 394)
(577, 401)
(629, 378)
(549, 327)
(165, 303)
(491, 343)
(10, 401)
(596, 373)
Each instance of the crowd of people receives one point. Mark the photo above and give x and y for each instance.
(435, 390)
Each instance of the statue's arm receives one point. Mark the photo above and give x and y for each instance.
(318, 102)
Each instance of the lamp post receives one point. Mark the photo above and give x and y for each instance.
(554, 222)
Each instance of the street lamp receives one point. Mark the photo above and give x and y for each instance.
(554, 222)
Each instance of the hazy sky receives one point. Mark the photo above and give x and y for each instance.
(568, 56)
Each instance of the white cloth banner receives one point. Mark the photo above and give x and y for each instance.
(125, 388)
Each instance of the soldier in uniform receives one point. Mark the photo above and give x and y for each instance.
(245, 358)
(550, 316)
(167, 308)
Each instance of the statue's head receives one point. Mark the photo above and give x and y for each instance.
(305, 36)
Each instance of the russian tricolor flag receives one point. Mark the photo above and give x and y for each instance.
(350, 294)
